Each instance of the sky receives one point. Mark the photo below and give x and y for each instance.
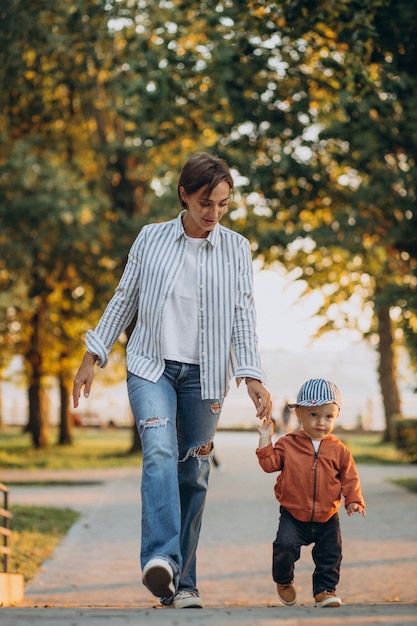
(285, 320)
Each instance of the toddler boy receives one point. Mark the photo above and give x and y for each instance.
(316, 470)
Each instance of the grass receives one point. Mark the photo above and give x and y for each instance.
(36, 532)
(92, 448)
(369, 448)
(109, 447)
(408, 483)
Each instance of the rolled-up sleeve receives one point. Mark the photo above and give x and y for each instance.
(120, 309)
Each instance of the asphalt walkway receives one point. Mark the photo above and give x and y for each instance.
(94, 577)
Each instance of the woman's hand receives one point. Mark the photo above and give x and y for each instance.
(260, 396)
(84, 377)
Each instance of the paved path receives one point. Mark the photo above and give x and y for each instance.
(95, 573)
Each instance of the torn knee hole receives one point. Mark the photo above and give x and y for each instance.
(205, 450)
(153, 422)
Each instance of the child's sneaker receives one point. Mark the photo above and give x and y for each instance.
(327, 599)
(287, 594)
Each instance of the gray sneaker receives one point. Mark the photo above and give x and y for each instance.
(187, 599)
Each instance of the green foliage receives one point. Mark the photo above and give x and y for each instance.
(405, 438)
(102, 102)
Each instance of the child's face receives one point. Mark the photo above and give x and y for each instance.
(317, 421)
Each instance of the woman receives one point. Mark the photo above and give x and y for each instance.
(189, 280)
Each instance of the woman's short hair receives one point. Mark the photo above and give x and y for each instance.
(201, 170)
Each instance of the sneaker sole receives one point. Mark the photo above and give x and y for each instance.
(330, 603)
(189, 603)
(159, 579)
(287, 603)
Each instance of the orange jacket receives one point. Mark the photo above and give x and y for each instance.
(310, 485)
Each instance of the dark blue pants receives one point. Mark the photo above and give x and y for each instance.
(326, 553)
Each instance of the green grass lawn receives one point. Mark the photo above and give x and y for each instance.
(370, 449)
(92, 448)
(109, 447)
(407, 483)
(37, 530)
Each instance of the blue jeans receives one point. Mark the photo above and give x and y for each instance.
(326, 553)
(176, 428)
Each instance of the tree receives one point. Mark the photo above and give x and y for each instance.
(339, 196)
(102, 102)
(52, 207)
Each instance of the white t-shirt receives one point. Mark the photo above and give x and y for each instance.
(180, 336)
(316, 444)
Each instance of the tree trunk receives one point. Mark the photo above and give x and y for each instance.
(388, 371)
(37, 423)
(65, 416)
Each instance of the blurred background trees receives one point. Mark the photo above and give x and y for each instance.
(312, 104)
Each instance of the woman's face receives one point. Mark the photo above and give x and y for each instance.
(203, 211)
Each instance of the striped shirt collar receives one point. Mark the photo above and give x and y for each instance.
(213, 236)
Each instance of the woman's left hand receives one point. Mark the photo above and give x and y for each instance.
(260, 396)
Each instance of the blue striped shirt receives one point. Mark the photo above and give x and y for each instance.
(226, 313)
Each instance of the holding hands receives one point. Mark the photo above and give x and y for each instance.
(266, 426)
(265, 430)
(260, 397)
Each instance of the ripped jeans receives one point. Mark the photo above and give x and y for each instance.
(176, 428)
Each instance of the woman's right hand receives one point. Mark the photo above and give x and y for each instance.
(84, 377)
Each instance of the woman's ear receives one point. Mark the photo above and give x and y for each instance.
(182, 194)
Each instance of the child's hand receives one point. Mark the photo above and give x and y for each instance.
(265, 426)
(353, 507)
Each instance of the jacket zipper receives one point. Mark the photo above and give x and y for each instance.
(316, 459)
